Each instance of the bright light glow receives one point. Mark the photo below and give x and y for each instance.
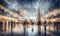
(29, 30)
(18, 29)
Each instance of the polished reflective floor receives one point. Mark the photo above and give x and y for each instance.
(29, 30)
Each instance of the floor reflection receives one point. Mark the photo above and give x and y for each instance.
(31, 30)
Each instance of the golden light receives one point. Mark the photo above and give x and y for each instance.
(18, 29)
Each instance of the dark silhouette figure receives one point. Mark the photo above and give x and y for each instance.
(11, 28)
(24, 26)
(45, 25)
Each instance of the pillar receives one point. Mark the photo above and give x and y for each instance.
(3, 26)
(7, 26)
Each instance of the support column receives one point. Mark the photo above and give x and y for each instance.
(58, 26)
(3, 26)
(9, 26)
(49, 25)
(6, 26)
(53, 26)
